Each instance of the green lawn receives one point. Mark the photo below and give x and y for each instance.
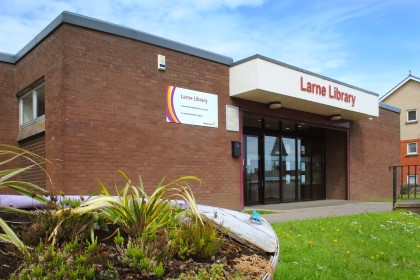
(390, 199)
(366, 246)
(261, 212)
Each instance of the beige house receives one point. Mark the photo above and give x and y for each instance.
(406, 96)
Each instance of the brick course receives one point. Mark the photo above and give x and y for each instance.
(373, 148)
(335, 164)
(35, 175)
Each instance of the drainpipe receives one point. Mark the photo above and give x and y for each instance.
(348, 165)
(241, 161)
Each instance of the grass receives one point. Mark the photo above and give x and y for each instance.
(404, 197)
(366, 246)
(261, 212)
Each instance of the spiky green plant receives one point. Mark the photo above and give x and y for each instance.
(25, 188)
(10, 236)
(137, 213)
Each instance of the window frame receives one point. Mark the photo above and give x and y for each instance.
(411, 121)
(416, 182)
(408, 148)
(34, 92)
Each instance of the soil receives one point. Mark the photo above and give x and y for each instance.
(252, 264)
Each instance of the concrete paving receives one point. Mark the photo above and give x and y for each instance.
(318, 209)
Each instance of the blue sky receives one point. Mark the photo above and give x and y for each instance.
(372, 44)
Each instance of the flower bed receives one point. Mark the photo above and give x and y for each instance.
(130, 235)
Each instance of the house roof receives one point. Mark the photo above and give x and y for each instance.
(406, 80)
(91, 23)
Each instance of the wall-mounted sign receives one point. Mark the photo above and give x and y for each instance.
(264, 80)
(191, 107)
(332, 92)
(232, 118)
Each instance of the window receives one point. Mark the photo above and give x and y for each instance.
(412, 148)
(411, 115)
(32, 105)
(412, 179)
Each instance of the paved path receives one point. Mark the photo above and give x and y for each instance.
(319, 208)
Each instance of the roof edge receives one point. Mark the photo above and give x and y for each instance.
(389, 107)
(6, 57)
(301, 70)
(409, 77)
(119, 30)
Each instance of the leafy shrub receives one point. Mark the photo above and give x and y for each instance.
(137, 213)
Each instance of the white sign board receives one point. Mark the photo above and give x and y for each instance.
(191, 107)
(232, 118)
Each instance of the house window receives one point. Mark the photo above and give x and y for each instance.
(412, 179)
(32, 105)
(412, 148)
(411, 115)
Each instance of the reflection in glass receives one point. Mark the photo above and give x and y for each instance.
(252, 121)
(272, 168)
(288, 164)
(318, 186)
(251, 166)
(304, 169)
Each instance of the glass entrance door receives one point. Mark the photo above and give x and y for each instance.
(289, 173)
(283, 161)
(252, 179)
(272, 153)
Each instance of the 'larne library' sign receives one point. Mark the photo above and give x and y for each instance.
(191, 107)
(333, 93)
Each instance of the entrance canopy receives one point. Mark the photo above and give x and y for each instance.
(264, 80)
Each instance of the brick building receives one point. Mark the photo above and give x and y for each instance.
(92, 97)
(406, 96)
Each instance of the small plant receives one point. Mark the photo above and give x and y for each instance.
(55, 263)
(194, 239)
(159, 270)
(71, 246)
(118, 239)
(93, 244)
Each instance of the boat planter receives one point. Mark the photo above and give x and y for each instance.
(241, 228)
(237, 225)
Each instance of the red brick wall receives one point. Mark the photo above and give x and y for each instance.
(335, 163)
(105, 110)
(35, 175)
(112, 99)
(374, 146)
(9, 114)
(45, 62)
(114, 118)
(409, 159)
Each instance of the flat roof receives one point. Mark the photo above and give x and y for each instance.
(389, 107)
(264, 80)
(103, 26)
(300, 70)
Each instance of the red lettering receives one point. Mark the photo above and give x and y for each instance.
(301, 84)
